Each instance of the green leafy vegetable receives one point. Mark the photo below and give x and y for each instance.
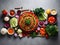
(40, 12)
(51, 30)
(33, 34)
(27, 21)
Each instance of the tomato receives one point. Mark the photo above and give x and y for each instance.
(42, 31)
(51, 20)
(4, 12)
(12, 12)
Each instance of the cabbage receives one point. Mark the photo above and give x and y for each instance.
(14, 22)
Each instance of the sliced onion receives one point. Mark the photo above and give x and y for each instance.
(46, 22)
(17, 16)
(40, 23)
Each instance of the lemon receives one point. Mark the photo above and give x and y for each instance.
(48, 11)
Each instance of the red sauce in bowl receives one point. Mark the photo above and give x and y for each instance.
(10, 31)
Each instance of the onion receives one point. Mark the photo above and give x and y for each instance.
(7, 25)
(18, 12)
(20, 35)
(3, 31)
(46, 22)
(40, 23)
(15, 35)
(19, 31)
(6, 18)
(38, 28)
(17, 16)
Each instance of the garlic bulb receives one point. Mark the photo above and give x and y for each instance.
(6, 18)
(3, 31)
(19, 31)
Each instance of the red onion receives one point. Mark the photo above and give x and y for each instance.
(18, 12)
(40, 23)
(7, 25)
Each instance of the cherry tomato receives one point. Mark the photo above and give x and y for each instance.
(47, 36)
(42, 31)
(4, 12)
(12, 12)
(51, 20)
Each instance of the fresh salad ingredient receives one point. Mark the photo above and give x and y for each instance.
(20, 35)
(6, 25)
(51, 20)
(44, 26)
(41, 22)
(10, 31)
(46, 36)
(45, 22)
(4, 12)
(18, 12)
(27, 22)
(40, 12)
(37, 31)
(16, 28)
(48, 11)
(33, 34)
(19, 31)
(42, 31)
(6, 18)
(13, 22)
(3, 31)
(15, 35)
(17, 16)
(38, 28)
(51, 30)
(53, 12)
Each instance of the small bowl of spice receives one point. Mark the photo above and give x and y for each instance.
(10, 31)
(53, 12)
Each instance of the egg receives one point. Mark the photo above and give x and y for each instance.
(3, 31)
(19, 31)
(6, 18)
